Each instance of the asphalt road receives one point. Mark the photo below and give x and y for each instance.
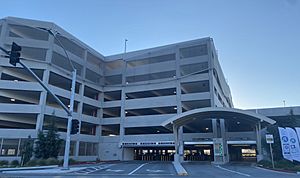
(133, 169)
(207, 170)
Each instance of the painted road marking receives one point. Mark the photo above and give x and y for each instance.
(101, 167)
(89, 170)
(137, 168)
(114, 170)
(240, 173)
(154, 171)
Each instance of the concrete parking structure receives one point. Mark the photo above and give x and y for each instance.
(122, 101)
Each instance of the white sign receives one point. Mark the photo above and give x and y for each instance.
(285, 143)
(269, 138)
(294, 144)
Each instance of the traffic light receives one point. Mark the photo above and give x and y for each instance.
(14, 56)
(75, 126)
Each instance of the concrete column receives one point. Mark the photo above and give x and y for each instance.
(80, 106)
(98, 134)
(225, 145)
(176, 144)
(214, 128)
(179, 105)
(1, 145)
(79, 111)
(259, 155)
(123, 114)
(19, 145)
(42, 102)
(99, 130)
(210, 73)
(3, 34)
(99, 126)
(46, 76)
(1, 71)
(219, 133)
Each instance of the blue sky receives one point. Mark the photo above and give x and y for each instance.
(258, 41)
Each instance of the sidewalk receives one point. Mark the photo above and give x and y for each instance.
(42, 170)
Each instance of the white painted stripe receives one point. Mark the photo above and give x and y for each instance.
(152, 174)
(103, 167)
(137, 169)
(240, 173)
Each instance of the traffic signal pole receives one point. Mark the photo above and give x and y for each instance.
(45, 87)
(70, 117)
(14, 56)
(69, 111)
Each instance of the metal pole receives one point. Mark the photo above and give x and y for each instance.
(125, 48)
(46, 88)
(70, 117)
(69, 111)
(271, 151)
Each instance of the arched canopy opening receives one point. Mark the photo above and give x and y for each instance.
(215, 112)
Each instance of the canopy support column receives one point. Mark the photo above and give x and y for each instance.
(259, 155)
(178, 157)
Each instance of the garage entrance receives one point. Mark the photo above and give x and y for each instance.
(198, 152)
(154, 153)
(220, 132)
(242, 153)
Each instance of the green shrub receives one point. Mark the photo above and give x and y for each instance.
(32, 162)
(265, 163)
(61, 162)
(72, 161)
(41, 162)
(15, 163)
(52, 161)
(284, 164)
(3, 162)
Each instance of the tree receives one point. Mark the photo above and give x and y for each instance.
(40, 150)
(289, 121)
(48, 144)
(53, 141)
(27, 151)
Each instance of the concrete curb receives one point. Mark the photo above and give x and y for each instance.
(179, 169)
(28, 168)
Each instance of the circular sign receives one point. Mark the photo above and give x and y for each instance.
(285, 139)
(293, 140)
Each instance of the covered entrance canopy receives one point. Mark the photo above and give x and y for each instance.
(182, 119)
(215, 112)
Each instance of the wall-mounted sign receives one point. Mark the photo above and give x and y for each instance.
(269, 138)
(218, 146)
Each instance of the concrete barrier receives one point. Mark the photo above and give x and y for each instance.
(179, 169)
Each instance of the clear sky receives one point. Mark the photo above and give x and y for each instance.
(258, 41)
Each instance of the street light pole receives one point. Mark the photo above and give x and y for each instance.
(70, 117)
